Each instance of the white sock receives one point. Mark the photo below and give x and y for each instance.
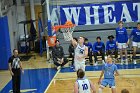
(100, 90)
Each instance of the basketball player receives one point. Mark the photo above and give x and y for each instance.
(81, 52)
(136, 41)
(83, 85)
(122, 40)
(108, 71)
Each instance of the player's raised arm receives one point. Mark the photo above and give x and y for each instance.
(74, 42)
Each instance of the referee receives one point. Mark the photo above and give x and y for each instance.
(15, 67)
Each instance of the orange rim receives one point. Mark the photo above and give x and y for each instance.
(56, 28)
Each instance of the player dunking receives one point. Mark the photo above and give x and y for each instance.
(83, 85)
(109, 69)
(81, 51)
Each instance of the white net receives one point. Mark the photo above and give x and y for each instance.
(67, 33)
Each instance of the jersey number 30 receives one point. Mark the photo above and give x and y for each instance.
(85, 86)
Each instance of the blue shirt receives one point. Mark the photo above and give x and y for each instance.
(89, 45)
(111, 45)
(136, 35)
(109, 70)
(121, 35)
(98, 46)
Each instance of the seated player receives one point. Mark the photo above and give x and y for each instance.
(98, 50)
(136, 41)
(89, 45)
(83, 85)
(111, 47)
(58, 55)
(71, 52)
(109, 70)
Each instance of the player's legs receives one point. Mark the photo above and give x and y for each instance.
(77, 65)
(134, 54)
(103, 56)
(112, 85)
(125, 51)
(90, 57)
(100, 89)
(113, 90)
(116, 53)
(104, 83)
(121, 51)
(95, 58)
(82, 66)
(134, 44)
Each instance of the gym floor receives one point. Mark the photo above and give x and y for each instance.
(40, 76)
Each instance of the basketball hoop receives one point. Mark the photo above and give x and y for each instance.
(67, 30)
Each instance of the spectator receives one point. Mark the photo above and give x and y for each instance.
(89, 45)
(71, 52)
(122, 40)
(124, 91)
(111, 47)
(136, 41)
(99, 49)
(58, 55)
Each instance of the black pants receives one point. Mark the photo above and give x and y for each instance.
(112, 52)
(90, 57)
(101, 54)
(57, 64)
(16, 80)
(72, 56)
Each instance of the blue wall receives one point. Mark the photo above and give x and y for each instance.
(5, 49)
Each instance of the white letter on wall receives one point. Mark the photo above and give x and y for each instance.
(108, 14)
(54, 17)
(138, 10)
(95, 15)
(73, 13)
(126, 14)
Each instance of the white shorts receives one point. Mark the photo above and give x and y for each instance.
(136, 44)
(79, 65)
(122, 45)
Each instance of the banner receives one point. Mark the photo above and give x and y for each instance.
(94, 14)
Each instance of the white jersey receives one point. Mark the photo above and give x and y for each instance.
(83, 86)
(79, 51)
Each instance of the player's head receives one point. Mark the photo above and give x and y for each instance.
(120, 23)
(86, 40)
(15, 52)
(57, 42)
(109, 59)
(138, 25)
(111, 37)
(80, 73)
(98, 39)
(81, 39)
(124, 91)
(75, 39)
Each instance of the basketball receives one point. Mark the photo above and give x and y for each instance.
(68, 23)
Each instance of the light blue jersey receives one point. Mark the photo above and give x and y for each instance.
(109, 70)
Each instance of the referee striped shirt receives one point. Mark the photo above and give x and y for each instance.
(15, 62)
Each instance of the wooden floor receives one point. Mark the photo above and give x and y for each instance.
(63, 83)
